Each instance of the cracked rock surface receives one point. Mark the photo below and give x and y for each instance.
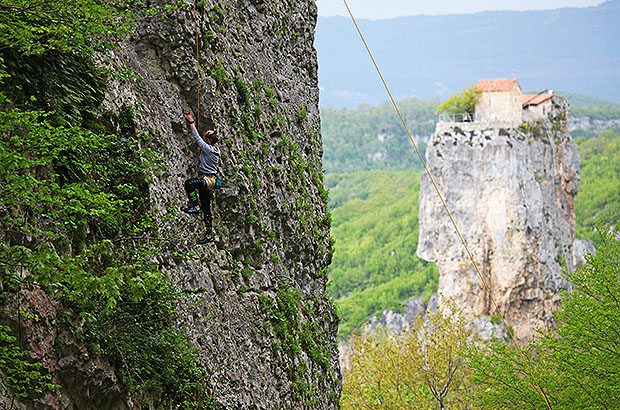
(511, 192)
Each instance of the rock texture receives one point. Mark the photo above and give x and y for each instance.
(259, 89)
(511, 192)
(591, 124)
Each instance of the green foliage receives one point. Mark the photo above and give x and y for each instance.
(293, 318)
(75, 198)
(218, 72)
(578, 364)
(66, 25)
(599, 191)
(75, 208)
(358, 306)
(593, 107)
(301, 114)
(375, 225)
(419, 368)
(153, 357)
(351, 137)
(22, 376)
(66, 84)
(68, 184)
(462, 103)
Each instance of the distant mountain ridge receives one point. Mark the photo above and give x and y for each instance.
(576, 49)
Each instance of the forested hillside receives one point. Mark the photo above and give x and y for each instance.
(374, 198)
(375, 265)
(599, 193)
(574, 49)
(372, 138)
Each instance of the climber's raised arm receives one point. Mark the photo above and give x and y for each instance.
(190, 120)
(208, 142)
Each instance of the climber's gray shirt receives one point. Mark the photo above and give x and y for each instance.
(209, 156)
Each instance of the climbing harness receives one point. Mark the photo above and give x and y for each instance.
(510, 332)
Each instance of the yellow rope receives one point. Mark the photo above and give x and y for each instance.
(446, 208)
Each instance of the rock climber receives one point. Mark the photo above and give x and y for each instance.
(202, 187)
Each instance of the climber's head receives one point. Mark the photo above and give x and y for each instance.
(211, 137)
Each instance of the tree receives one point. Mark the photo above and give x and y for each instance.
(33, 27)
(577, 366)
(419, 368)
(463, 103)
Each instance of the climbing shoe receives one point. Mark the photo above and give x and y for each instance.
(206, 239)
(193, 210)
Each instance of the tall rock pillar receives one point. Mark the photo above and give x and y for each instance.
(511, 192)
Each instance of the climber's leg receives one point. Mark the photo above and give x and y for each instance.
(206, 197)
(192, 187)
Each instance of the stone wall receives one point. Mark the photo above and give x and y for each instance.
(511, 193)
(503, 106)
(537, 112)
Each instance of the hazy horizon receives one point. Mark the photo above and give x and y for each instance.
(369, 9)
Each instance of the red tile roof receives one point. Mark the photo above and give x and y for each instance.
(534, 99)
(495, 85)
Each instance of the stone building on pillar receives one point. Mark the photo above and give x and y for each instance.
(500, 100)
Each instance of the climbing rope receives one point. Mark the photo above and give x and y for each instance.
(447, 210)
(197, 73)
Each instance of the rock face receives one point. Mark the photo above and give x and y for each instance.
(511, 194)
(590, 124)
(259, 89)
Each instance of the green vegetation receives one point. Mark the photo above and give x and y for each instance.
(375, 225)
(65, 25)
(411, 370)
(462, 103)
(22, 376)
(364, 277)
(593, 108)
(293, 319)
(599, 191)
(351, 137)
(578, 363)
(588, 106)
(75, 207)
(436, 365)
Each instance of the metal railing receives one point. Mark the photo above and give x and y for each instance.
(465, 117)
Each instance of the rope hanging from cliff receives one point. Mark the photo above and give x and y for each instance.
(446, 208)
(197, 73)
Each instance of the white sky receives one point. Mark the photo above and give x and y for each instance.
(382, 9)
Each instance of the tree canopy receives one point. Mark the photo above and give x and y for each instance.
(598, 199)
(33, 27)
(461, 103)
(373, 138)
(375, 225)
(419, 368)
(577, 365)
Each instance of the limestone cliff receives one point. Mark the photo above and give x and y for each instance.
(511, 192)
(259, 89)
